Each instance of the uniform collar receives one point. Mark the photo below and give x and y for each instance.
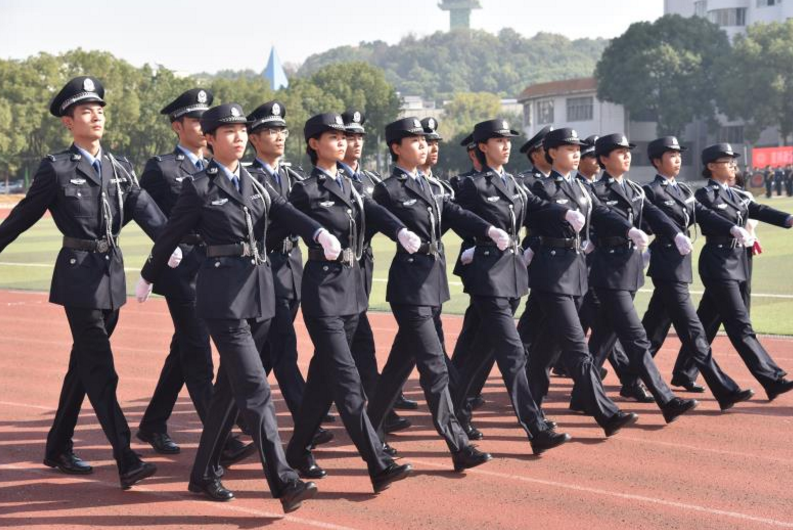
(229, 174)
(189, 154)
(328, 175)
(267, 167)
(408, 173)
(88, 156)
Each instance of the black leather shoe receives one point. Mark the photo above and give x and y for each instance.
(472, 432)
(677, 407)
(235, 451)
(69, 463)
(295, 493)
(389, 475)
(576, 407)
(548, 439)
(559, 371)
(308, 468)
(321, 437)
(214, 490)
(469, 457)
(689, 386)
(403, 403)
(394, 423)
(618, 421)
(778, 388)
(550, 424)
(160, 442)
(738, 397)
(477, 402)
(603, 373)
(390, 451)
(136, 473)
(637, 392)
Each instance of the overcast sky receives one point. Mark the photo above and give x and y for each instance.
(200, 35)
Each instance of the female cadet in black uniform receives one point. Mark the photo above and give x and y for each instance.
(723, 264)
(418, 286)
(618, 271)
(333, 297)
(496, 277)
(558, 279)
(670, 269)
(230, 210)
(91, 195)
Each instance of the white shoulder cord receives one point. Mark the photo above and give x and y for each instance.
(690, 192)
(638, 189)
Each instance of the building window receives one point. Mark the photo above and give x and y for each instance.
(700, 8)
(732, 134)
(527, 115)
(728, 17)
(767, 3)
(579, 109)
(545, 112)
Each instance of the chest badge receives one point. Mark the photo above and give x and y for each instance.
(562, 201)
(721, 206)
(78, 182)
(494, 198)
(327, 204)
(611, 203)
(219, 202)
(409, 202)
(178, 179)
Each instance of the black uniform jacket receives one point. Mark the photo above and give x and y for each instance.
(228, 287)
(334, 288)
(162, 178)
(493, 272)
(364, 182)
(683, 209)
(560, 270)
(616, 263)
(283, 244)
(721, 259)
(420, 278)
(67, 186)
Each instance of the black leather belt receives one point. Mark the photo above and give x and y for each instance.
(425, 248)
(89, 245)
(192, 239)
(287, 246)
(614, 241)
(347, 256)
(559, 242)
(235, 249)
(720, 240)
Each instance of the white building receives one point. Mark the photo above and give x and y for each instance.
(732, 15)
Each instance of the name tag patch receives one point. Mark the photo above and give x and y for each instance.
(669, 203)
(257, 197)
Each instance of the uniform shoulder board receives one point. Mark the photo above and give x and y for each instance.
(60, 156)
(294, 174)
(165, 157)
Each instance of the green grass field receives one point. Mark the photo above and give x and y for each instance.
(27, 264)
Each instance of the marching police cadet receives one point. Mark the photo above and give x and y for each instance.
(558, 279)
(670, 270)
(267, 133)
(434, 140)
(418, 286)
(496, 277)
(333, 298)
(535, 152)
(91, 195)
(230, 210)
(363, 344)
(618, 270)
(476, 167)
(723, 264)
(189, 361)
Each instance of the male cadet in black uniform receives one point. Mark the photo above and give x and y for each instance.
(363, 344)
(670, 269)
(418, 286)
(267, 133)
(189, 360)
(724, 267)
(91, 195)
(558, 280)
(617, 271)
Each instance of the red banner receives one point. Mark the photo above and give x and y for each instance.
(772, 156)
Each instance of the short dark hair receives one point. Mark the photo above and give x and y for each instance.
(652, 160)
(707, 173)
(480, 156)
(394, 156)
(548, 156)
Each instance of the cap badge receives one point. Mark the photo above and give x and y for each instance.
(88, 85)
(416, 123)
(356, 117)
(235, 112)
(276, 109)
(431, 123)
(504, 125)
(201, 97)
(339, 121)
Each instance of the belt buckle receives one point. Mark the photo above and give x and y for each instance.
(102, 246)
(246, 250)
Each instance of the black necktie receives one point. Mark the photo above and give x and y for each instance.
(97, 165)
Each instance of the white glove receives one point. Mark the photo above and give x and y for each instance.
(683, 243)
(175, 259)
(409, 241)
(467, 256)
(499, 237)
(646, 258)
(330, 245)
(576, 220)
(528, 255)
(639, 238)
(142, 290)
(744, 238)
(588, 247)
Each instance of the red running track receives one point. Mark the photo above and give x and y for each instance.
(708, 470)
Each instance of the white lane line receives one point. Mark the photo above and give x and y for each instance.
(39, 407)
(751, 456)
(178, 497)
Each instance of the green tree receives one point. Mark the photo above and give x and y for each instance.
(665, 70)
(757, 80)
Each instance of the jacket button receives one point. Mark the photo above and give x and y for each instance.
(553, 253)
(720, 246)
(72, 261)
(79, 194)
(611, 251)
(217, 264)
(410, 260)
(487, 252)
(107, 258)
(325, 268)
(253, 262)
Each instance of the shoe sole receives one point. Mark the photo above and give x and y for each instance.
(149, 472)
(156, 449)
(459, 468)
(684, 389)
(308, 494)
(733, 403)
(54, 465)
(628, 423)
(385, 486)
(562, 441)
(198, 491)
(688, 409)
